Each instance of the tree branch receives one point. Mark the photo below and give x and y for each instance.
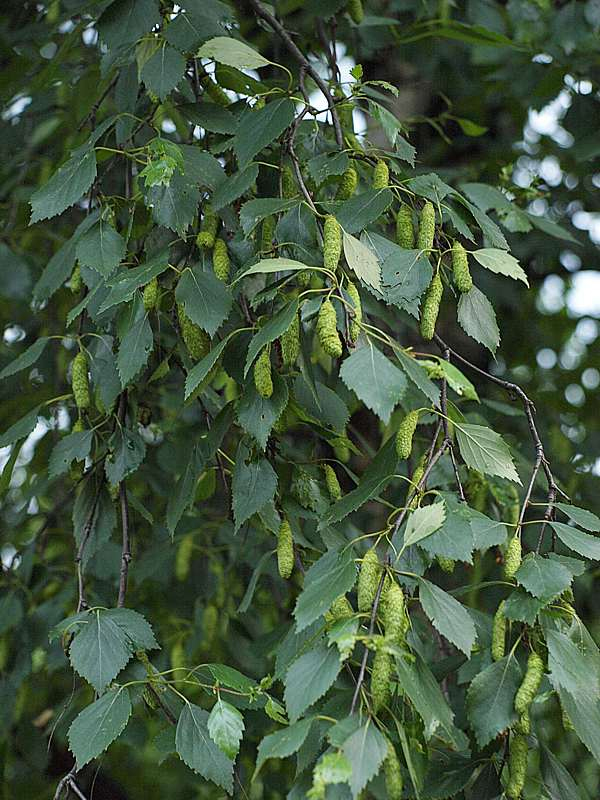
(124, 503)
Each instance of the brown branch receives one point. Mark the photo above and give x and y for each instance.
(124, 503)
(444, 410)
(433, 459)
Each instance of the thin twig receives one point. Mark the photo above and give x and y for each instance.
(124, 503)
(432, 462)
(444, 410)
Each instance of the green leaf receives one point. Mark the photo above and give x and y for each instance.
(21, 428)
(123, 286)
(257, 414)
(26, 359)
(324, 405)
(418, 375)
(254, 211)
(210, 116)
(127, 451)
(74, 447)
(581, 516)
(543, 577)
(574, 668)
(449, 616)
(135, 626)
(274, 328)
(447, 775)
(269, 265)
(65, 187)
(173, 206)
(258, 128)
(457, 381)
(470, 128)
(226, 727)
(200, 370)
(477, 318)
(324, 165)
(363, 261)
(125, 21)
(101, 248)
(557, 781)
(486, 451)
(330, 577)
(361, 210)
(93, 517)
(283, 743)
(137, 343)
(234, 186)
(374, 380)
(582, 543)
(501, 262)
(163, 70)
(253, 486)
(365, 749)
(422, 522)
(233, 53)
(584, 713)
(230, 677)
(196, 748)
(522, 607)
(98, 725)
(491, 698)
(100, 650)
(183, 494)
(455, 539)
(207, 301)
(405, 274)
(309, 677)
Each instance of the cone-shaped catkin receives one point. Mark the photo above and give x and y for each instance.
(290, 343)
(426, 227)
(289, 188)
(368, 580)
(356, 11)
(78, 427)
(178, 660)
(150, 295)
(210, 623)
(431, 307)
(332, 243)
(499, 633)
(327, 330)
(405, 433)
(523, 724)
(381, 676)
(416, 479)
(220, 257)
(183, 559)
(79, 381)
(460, 268)
(76, 282)
(196, 341)
(208, 229)
(531, 683)
(333, 485)
(394, 613)
(512, 557)
(517, 766)
(340, 609)
(354, 328)
(263, 379)
(512, 507)
(446, 564)
(347, 185)
(381, 175)
(267, 232)
(476, 490)
(214, 91)
(405, 232)
(393, 774)
(285, 550)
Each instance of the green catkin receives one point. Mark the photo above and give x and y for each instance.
(405, 433)
(178, 660)
(342, 452)
(531, 683)
(354, 327)
(499, 633)
(476, 490)
(290, 343)
(517, 766)
(446, 564)
(381, 175)
(431, 307)
(78, 426)
(210, 622)
(150, 295)
(267, 232)
(288, 183)
(416, 478)
(332, 243)
(368, 580)
(327, 333)
(460, 268)
(513, 505)
(340, 609)
(76, 282)
(426, 228)
(512, 557)
(214, 91)
(285, 550)
(196, 341)
(405, 232)
(392, 774)
(523, 724)
(381, 676)
(208, 229)
(394, 613)
(304, 277)
(183, 559)
(355, 11)
(333, 485)
(347, 185)
(566, 720)
(79, 381)
(220, 258)
(263, 379)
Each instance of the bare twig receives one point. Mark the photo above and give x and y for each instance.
(124, 503)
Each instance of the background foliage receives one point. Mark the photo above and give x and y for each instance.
(116, 138)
